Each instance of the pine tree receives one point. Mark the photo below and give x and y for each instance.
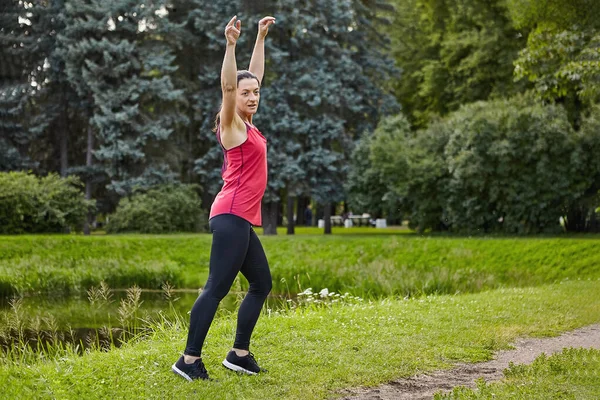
(17, 86)
(327, 90)
(119, 61)
(322, 90)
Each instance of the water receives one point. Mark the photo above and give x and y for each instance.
(74, 320)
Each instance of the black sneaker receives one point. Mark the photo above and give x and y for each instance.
(246, 364)
(192, 371)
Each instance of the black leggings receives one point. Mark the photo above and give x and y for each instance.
(235, 248)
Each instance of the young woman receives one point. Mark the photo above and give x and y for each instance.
(237, 207)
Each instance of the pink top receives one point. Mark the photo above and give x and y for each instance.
(244, 175)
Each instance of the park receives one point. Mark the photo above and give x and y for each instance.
(422, 177)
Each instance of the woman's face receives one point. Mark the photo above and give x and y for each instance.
(248, 95)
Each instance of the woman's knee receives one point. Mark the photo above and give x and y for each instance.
(216, 292)
(261, 287)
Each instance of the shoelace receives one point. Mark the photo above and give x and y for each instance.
(251, 357)
(200, 369)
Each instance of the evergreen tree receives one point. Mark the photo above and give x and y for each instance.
(17, 86)
(322, 90)
(325, 93)
(117, 58)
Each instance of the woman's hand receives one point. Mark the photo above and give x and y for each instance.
(233, 30)
(263, 26)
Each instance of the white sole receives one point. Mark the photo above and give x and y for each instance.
(236, 368)
(181, 373)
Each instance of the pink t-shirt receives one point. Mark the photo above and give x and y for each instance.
(244, 175)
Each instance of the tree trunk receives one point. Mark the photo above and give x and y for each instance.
(64, 164)
(327, 218)
(63, 134)
(575, 219)
(270, 215)
(300, 210)
(290, 214)
(88, 180)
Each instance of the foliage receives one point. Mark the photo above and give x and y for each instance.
(331, 348)
(29, 204)
(411, 168)
(367, 192)
(118, 63)
(562, 56)
(560, 14)
(324, 87)
(514, 166)
(452, 52)
(562, 64)
(162, 209)
(20, 57)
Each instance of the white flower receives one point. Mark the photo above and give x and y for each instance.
(323, 293)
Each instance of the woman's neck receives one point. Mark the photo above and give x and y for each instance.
(247, 119)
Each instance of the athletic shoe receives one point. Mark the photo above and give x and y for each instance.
(246, 364)
(192, 371)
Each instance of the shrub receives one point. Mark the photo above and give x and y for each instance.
(30, 204)
(162, 209)
(512, 166)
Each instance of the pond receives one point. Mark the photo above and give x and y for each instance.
(98, 319)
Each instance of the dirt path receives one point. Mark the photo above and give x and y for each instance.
(423, 387)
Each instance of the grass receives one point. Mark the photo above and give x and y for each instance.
(317, 352)
(572, 374)
(365, 265)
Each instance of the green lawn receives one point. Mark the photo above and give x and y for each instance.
(373, 265)
(315, 352)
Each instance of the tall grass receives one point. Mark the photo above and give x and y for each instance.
(27, 340)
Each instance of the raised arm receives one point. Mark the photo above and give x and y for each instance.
(257, 62)
(229, 74)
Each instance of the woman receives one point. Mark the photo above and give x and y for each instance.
(237, 207)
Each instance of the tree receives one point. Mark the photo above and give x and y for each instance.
(119, 62)
(322, 90)
(368, 187)
(562, 52)
(18, 61)
(326, 89)
(582, 214)
(452, 52)
(411, 167)
(513, 166)
(564, 67)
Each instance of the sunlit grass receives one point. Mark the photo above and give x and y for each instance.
(365, 265)
(316, 351)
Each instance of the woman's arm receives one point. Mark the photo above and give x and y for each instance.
(229, 74)
(257, 62)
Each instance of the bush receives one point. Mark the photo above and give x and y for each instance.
(163, 209)
(29, 204)
(515, 166)
(512, 166)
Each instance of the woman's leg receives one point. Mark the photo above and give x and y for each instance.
(256, 269)
(228, 251)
